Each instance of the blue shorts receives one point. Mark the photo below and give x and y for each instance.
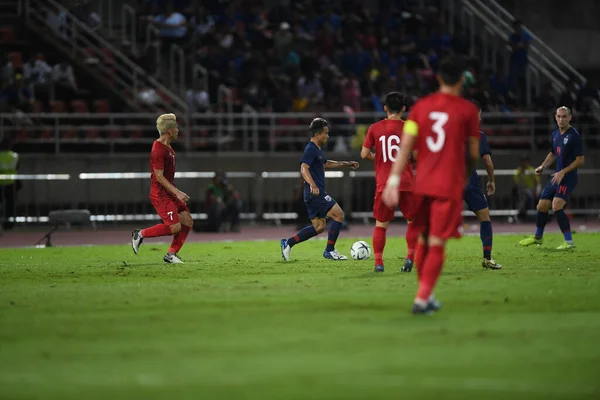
(319, 206)
(562, 191)
(475, 198)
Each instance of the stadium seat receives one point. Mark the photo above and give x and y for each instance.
(38, 107)
(58, 106)
(79, 106)
(7, 34)
(68, 133)
(16, 57)
(101, 106)
(91, 133)
(114, 134)
(47, 134)
(108, 56)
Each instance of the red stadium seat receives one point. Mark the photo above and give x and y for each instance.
(114, 134)
(7, 34)
(47, 134)
(58, 106)
(101, 106)
(38, 107)
(108, 56)
(92, 133)
(79, 106)
(16, 57)
(68, 134)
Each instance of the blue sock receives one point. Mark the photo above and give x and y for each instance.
(485, 232)
(334, 232)
(540, 223)
(564, 224)
(304, 234)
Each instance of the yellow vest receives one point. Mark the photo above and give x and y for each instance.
(8, 166)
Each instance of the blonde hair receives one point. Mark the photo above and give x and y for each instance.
(564, 108)
(166, 122)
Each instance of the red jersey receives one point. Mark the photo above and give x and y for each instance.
(442, 124)
(162, 157)
(384, 136)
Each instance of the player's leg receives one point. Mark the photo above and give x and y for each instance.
(336, 214)
(379, 239)
(445, 222)
(408, 206)
(167, 211)
(179, 238)
(541, 217)
(318, 226)
(383, 215)
(487, 238)
(558, 206)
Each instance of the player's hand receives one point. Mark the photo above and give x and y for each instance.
(557, 177)
(314, 190)
(183, 197)
(353, 164)
(539, 170)
(491, 188)
(391, 196)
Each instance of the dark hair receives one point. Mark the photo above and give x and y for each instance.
(317, 125)
(476, 104)
(452, 69)
(395, 101)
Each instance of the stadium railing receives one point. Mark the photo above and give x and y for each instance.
(270, 196)
(488, 26)
(84, 45)
(253, 131)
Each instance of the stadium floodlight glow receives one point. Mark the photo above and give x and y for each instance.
(36, 177)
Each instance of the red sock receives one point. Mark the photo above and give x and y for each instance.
(422, 250)
(431, 270)
(156, 230)
(379, 244)
(179, 239)
(412, 236)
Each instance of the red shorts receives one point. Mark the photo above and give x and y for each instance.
(439, 217)
(168, 209)
(407, 205)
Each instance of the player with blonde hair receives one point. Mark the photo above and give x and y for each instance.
(168, 201)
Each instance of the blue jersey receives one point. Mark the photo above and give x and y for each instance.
(566, 148)
(315, 158)
(484, 149)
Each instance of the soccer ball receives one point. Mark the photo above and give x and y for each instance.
(360, 250)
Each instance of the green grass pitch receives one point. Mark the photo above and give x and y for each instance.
(236, 322)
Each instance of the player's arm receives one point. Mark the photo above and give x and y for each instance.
(549, 160)
(305, 171)
(160, 178)
(579, 161)
(489, 168)
(339, 164)
(367, 154)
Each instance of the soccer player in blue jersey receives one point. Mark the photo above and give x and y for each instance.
(319, 204)
(567, 151)
(477, 202)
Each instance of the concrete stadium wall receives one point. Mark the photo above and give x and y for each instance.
(78, 191)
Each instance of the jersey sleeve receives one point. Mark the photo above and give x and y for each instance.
(157, 160)
(484, 146)
(578, 146)
(473, 123)
(309, 156)
(411, 125)
(369, 142)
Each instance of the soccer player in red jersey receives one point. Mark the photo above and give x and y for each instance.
(438, 128)
(384, 136)
(168, 201)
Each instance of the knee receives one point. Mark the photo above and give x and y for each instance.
(557, 206)
(175, 228)
(190, 222)
(542, 207)
(339, 216)
(484, 215)
(320, 228)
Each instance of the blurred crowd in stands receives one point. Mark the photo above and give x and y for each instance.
(305, 55)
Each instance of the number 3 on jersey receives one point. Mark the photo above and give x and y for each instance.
(439, 120)
(389, 148)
